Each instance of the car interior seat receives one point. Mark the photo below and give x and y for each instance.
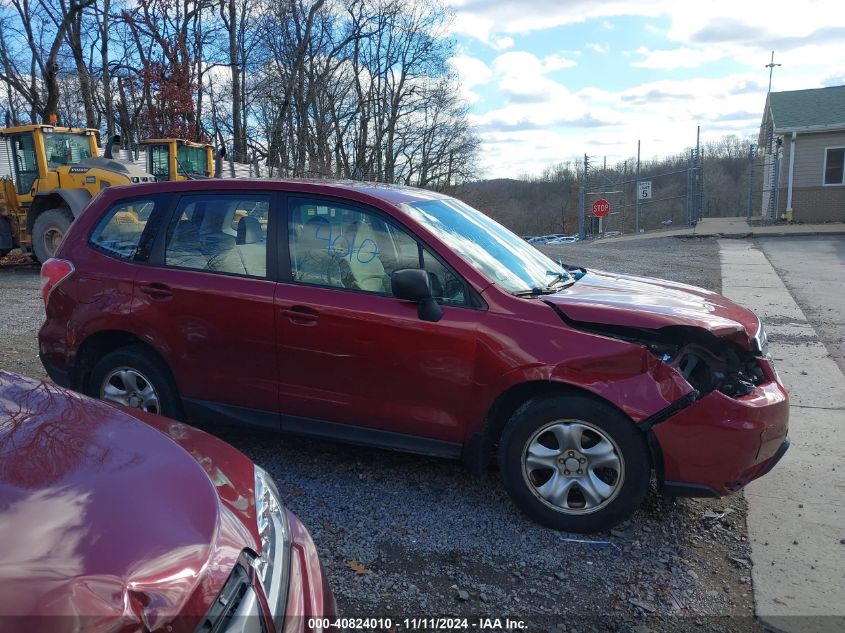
(365, 264)
(251, 246)
(313, 260)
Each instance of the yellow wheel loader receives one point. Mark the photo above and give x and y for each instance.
(47, 176)
(178, 159)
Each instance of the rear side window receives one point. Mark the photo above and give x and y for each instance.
(220, 233)
(120, 231)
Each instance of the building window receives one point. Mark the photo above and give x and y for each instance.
(834, 166)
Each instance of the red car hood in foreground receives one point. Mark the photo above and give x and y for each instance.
(641, 302)
(103, 518)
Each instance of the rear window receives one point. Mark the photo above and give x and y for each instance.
(119, 231)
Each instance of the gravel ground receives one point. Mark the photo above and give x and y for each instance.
(410, 536)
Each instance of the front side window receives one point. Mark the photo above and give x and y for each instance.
(220, 233)
(834, 166)
(501, 256)
(65, 148)
(120, 230)
(344, 247)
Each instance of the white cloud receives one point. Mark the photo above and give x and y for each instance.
(525, 137)
(473, 72)
(481, 20)
(678, 58)
(503, 43)
(546, 118)
(556, 62)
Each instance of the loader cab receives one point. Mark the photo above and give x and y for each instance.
(178, 159)
(34, 152)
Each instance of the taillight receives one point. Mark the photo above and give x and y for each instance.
(53, 272)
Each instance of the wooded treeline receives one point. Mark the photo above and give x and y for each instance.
(548, 203)
(337, 88)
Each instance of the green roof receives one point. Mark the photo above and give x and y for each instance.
(818, 107)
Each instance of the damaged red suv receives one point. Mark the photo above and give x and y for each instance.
(118, 520)
(405, 319)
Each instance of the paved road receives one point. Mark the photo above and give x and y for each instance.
(796, 513)
(813, 268)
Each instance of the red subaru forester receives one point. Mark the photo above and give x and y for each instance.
(405, 319)
(119, 520)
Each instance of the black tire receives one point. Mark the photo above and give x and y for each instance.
(151, 369)
(48, 231)
(587, 419)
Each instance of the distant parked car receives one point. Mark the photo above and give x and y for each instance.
(406, 319)
(118, 520)
(565, 239)
(666, 223)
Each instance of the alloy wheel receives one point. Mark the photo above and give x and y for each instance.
(573, 466)
(129, 387)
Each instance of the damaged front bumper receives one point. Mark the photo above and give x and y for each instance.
(715, 445)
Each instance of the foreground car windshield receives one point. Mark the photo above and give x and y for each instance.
(501, 256)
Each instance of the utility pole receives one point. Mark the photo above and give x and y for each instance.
(582, 201)
(750, 181)
(637, 193)
(699, 176)
(771, 66)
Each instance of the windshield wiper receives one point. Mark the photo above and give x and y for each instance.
(534, 292)
(564, 277)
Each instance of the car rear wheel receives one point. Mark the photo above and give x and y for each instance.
(48, 231)
(574, 463)
(134, 377)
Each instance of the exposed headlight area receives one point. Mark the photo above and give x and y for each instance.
(237, 608)
(273, 562)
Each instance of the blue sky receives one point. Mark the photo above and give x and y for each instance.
(549, 80)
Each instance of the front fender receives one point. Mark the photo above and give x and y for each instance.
(632, 379)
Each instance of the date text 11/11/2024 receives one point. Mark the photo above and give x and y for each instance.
(419, 624)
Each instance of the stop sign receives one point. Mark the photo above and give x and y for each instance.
(601, 208)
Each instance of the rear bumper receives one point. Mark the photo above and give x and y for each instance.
(718, 444)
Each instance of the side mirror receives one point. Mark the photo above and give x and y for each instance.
(413, 284)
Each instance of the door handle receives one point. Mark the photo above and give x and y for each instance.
(157, 291)
(301, 315)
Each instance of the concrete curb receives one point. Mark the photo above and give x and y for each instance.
(734, 228)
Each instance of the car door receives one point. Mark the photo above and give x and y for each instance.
(355, 362)
(206, 303)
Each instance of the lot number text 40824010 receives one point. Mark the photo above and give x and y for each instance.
(419, 624)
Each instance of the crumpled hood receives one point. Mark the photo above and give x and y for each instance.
(641, 302)
(102, 517)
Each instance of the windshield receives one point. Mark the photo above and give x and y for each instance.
(66, 148)
(493, 250)
(192, 160)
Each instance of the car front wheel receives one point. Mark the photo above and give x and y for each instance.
(574, 463)
(134, 377)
